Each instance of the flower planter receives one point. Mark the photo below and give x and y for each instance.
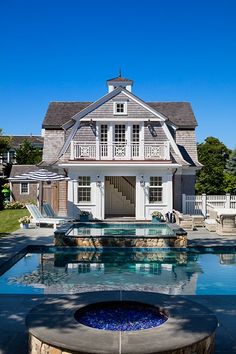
(156, 219)
(24, 226)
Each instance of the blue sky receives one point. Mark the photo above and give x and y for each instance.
(64, 50)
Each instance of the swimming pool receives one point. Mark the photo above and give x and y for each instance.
(170, 272)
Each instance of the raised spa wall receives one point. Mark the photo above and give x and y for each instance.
(61, 238)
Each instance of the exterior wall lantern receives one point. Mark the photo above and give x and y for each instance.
(98, 181)
(142, 182)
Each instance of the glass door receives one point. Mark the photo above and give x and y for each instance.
(120, 142)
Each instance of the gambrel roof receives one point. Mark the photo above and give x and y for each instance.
(178, 113)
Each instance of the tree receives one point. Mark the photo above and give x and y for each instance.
(229, 183)
(212, 154)
(230, 167)
(4, 142)
(27, 154)
(230, 173)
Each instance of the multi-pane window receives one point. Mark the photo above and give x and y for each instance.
(103, 140)
(135, 133)
(84, 189)
(155, 189)
(135, 140)
(120, 108)
(24, 188)
(120, 133)
(103, 134)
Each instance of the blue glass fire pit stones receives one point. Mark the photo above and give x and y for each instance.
(120, 316)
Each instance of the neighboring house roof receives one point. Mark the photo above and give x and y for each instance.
(179, 113)
(17, 140)
(20, 169)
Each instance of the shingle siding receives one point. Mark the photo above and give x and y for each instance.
(134, 110)
(53, 142)
(85, 134)
(154, 133)
(187, 139)
(17, 196)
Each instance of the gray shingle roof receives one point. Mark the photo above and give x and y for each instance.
(20, 169)
(59, 113)
(179, 113)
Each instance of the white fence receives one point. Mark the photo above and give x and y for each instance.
(199, 204)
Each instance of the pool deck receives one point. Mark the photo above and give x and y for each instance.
(14, 308)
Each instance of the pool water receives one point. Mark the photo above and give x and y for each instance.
(168, 272)
(118, 229)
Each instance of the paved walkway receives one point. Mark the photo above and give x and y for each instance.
(13, 308)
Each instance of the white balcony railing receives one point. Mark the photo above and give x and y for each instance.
(120, 151)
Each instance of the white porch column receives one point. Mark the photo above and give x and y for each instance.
(141, 142)
(100, 188)
(140, 199)
(72, 198)
(128, 139)
(110, 135)
(169, 193)
(72, 150)
(98, 154)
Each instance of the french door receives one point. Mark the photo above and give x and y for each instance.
(120, 142)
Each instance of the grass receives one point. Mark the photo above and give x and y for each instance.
(9, 220)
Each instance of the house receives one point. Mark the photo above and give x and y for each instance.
(23, 190)
(124, 156)
(27, 190)
(9, 156)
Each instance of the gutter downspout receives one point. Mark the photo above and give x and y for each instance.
(173, 184)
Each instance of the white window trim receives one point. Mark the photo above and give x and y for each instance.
(84, 186)
(156, 187)
(120, 113)
(27, 188)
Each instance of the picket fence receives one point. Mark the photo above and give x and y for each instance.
(200, 204)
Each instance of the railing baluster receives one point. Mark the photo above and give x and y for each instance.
(119, 151)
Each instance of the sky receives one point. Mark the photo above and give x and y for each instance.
(65, 50)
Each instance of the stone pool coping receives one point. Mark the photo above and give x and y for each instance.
(190, 326)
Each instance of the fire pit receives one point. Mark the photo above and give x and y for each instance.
(117, 322)
(121, 316)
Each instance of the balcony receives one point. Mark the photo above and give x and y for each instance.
(120, 151)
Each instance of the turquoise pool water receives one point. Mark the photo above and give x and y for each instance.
(120, 229)
(68, 272)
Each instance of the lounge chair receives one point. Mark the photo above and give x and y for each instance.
(49, 213)
(39, 219)
(183, 220)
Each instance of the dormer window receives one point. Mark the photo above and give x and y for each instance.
(120, 108)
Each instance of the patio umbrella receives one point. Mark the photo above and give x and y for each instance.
(41, 175)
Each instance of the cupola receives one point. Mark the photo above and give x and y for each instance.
(119, 81)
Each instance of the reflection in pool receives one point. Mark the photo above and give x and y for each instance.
(167, 272)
